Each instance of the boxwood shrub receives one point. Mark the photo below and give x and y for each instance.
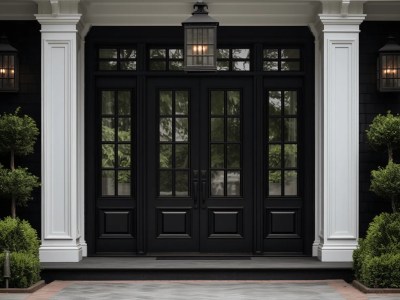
(18, 237)
(377, 259)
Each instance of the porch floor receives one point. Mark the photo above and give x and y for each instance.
(212, 268)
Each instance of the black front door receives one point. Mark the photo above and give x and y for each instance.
(199, 165)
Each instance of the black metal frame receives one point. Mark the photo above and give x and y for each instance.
(258, 38)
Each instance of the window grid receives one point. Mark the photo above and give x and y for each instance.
(233, 59)
(117, 59)
(166, 59)
(282, 59)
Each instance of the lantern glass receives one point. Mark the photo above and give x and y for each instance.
(389, 67)
(8, 67)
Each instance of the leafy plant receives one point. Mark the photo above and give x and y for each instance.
(24, 268)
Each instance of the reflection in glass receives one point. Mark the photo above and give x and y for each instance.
(217, 183)
(108, 156)
(128, 53)
(165, 187)
(233, 129)
(175, 65)
(271, 53)
(108, 65)
(274, 100)
(124, 102)
(217, 156)
(124, 183)
(274, 156)
(107, 102)
(165, 129)
(107, 53)
(274, 130)
(290, 155)
(107, 129)
(290, 53)
(166, 103)
(274, 183)
(290, 183)
(165, 156)
(217, 102)
(181, 183)
(290, 129)
(241, 65)
(128, 65)
(223, 65)
(181, 130)
(223, 53)
(217, 129)
(158, 65)
(124, 129)
(107, 183)
(176, 53)
(124, 155)
(290, 66)
(181, 102)
(270, 66)
(240, 53)
(157, 53)
(290, 102)
(181, 156)
(233, 156)
(233, 103)
(233, 183)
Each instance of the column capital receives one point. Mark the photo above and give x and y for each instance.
(340, 23)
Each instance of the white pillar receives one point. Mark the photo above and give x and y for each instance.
(60, 206)
(339, 140)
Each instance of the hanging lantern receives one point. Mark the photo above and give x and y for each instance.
(8, 66)
(389, 67)
(200, 40)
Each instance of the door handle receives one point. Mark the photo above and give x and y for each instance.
(203, 188)
(195, 188)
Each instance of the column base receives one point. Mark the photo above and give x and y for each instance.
(84, 249)
(315, 248)
(336, 253)
(60, 254)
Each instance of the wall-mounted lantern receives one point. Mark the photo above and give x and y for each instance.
(8, 66)
(389, 67)
(200, 29)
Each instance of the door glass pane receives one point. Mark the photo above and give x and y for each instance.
(217, 103)
(240, 53)
(241, 65)
(274, 183)
(275, 103)
(217, 129)
(274, 130)
(271, 53)
(124, 129)
(166, 156)
(165, 129)
(233, 128)
(291, 156)
(274, 156)
(181, 130)
(290, 53)
(233, 187)
(290, 129)
(166, 103)
(233, 156)
(107, 183)
(290, 66)
(217, 183)
(124, 103)
(182, 156)
(124, 183)
(107, 130)
(108, 156)
(217, 156)
(181, 183)
(290, 183)
(233, 103)
(124, 155)
(165, 187)
(290, 102)
(181, 103)
(107, 102)
(107, 53)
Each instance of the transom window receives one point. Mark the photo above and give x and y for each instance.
(281, 59)
(166, 59)
(233, 59)
(117, 59)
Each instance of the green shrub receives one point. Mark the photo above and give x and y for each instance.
(24, 267)
(377, 259)
(18, 236)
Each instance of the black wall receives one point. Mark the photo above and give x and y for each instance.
(372, 37)
(25, 36)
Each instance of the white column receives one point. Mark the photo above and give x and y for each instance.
(337, 172)
(60, 206)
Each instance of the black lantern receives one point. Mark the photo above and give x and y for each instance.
(200, 40)
(389, 67)
(8, 66)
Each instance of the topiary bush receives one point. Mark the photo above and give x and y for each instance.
(377, 259)
(18, 237)
(24, 267)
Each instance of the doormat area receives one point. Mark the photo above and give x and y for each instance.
(203, 258)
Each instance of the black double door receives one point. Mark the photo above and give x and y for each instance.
(199, 165)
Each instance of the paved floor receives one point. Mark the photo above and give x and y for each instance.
(193, 290)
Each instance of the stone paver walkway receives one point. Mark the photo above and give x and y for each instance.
(199, 290)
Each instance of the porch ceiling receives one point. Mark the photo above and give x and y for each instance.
(171, 13)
